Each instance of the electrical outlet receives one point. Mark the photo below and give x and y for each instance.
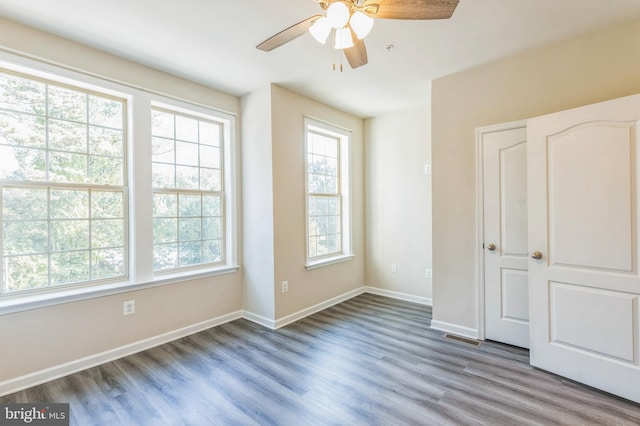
(427, 169)
(285, 286)
(428, 273)
(130, 307)
(394, 268)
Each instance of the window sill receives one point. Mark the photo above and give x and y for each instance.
(328, 261)
(19, 303)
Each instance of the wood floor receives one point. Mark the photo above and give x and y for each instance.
(368, 361)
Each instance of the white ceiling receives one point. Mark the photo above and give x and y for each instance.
(213, 42)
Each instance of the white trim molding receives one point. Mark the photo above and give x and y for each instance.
(259, 319)
(279, 323)
(400, 296)
(458, 330)
(33, 379)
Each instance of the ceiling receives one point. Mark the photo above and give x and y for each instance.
(213, 42)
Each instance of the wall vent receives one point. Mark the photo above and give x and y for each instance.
(463, 339)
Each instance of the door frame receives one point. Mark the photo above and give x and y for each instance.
(480, 286)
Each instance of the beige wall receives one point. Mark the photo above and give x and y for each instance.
(398, 205)
(580, 71)
(41, 338)
(308, 288)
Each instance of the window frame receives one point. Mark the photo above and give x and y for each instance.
(138, 187)
(343, 136)
(222, 192)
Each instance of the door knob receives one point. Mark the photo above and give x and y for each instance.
(536, 255)
(491, 247)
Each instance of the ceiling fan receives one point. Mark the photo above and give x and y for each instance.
(351, 20)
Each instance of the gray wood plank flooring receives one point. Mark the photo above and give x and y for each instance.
(368, 361)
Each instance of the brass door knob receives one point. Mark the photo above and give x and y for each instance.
(536, 255)
(491, 247)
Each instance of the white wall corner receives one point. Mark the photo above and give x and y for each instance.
(259, 319)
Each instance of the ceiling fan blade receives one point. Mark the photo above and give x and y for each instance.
(414, 9)
(287, 35)
(356, 55)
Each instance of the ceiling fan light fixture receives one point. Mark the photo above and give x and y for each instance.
(361, 24)
(321, 29)
(344, 39)
(338, 14)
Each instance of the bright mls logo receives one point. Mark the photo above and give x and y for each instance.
(34, 414)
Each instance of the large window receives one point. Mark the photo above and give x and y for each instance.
(63, 183)
(188, 201)
(106, 187)
(327, 182)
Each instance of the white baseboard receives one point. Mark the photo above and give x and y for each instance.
(33, 379)
(317, 308)
(259, 319)
(398, 295)
(458, 330)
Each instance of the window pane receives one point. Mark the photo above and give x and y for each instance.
(209, 157)
(21, 94)
(106, 112)
(187, 177)
(162, 124)
(24, 203)
(106, 171)
(66, 167)
(69, 268)
(165, 230)
(186, 128)
(212, 251)
(210, 133)
(69, 235)
(106, 142)
(194, 152)
(165, 205)
(212, 228)
(187, 153)
(190, 205)
(211, 205)
(24, 237)
(164, 175)
(165, 256)
(107, 233)
(107, 263)
(22, 129)
(324, 220)
(22, 164)
(190, 229)
(26, 272)
(106, 204)
(162, 150)
(69, 204)
(67, 104)
(190, 253)
(61, 135)
(210, 180)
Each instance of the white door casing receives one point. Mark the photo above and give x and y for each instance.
(504, 165)
(583, 217)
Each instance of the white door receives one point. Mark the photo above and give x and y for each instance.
(583, 221)
(505, 236)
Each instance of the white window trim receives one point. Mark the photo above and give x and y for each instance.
(139, 224)
(345, 190)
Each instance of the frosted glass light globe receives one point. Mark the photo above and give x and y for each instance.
(338, 14)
